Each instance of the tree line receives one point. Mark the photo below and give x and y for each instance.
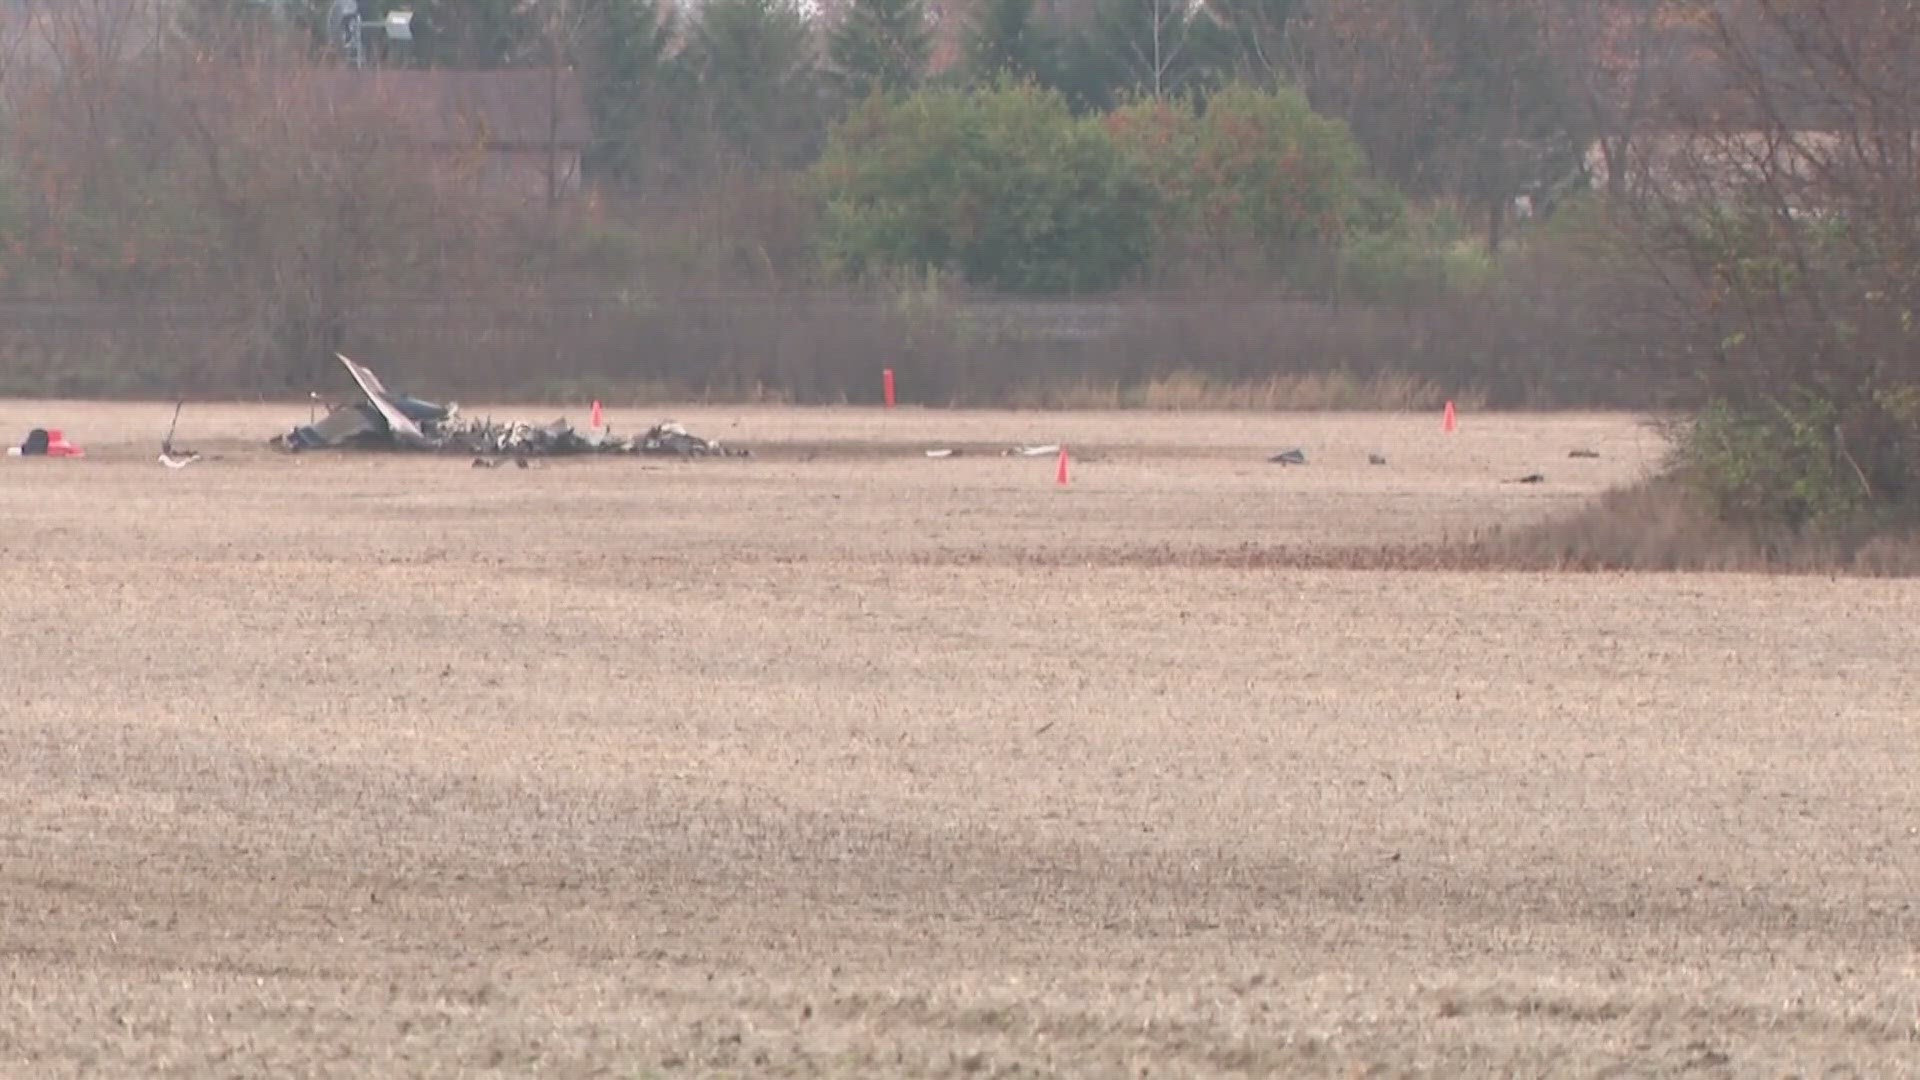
(1722, 190)
(1473, 101)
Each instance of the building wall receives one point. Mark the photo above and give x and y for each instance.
(1717, 164)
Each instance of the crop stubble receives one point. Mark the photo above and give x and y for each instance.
(844, 762)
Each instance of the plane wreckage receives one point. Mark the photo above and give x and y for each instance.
(389, 421)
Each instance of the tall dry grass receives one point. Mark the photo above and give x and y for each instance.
(1660, 526)
(1311, 392)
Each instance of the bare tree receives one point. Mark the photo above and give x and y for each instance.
(15, 33)
(1159, 46)
(1373, 64)
(563, 27)
(1622, 59)
(1785, 196)
(234, 180)
(1262, 34)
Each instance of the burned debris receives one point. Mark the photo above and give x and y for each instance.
(171, 456)
(46, 442)
(389, 421)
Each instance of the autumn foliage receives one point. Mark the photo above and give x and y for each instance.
(1255, 181)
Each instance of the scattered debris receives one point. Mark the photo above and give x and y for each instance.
(1584, 454)
(1295, 456)
(46, 442)
(484, 463)
(166, 444)
(1530, 478)
(1048, 450)
(943, 453)
(348, 425)
(35, 445)
(668, 437)
(169, 456)
(1376, 459)
(390, 421)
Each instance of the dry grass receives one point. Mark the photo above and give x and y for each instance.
(1658, 526)
(844, 762)
(1315, 392)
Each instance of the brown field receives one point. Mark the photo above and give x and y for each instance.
(841, 762)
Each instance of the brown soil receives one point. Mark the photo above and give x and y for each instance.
(375, 765)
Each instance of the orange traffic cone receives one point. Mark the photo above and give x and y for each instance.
(596, 414)
(58, 446)
(1060, 473)
(1447, 421)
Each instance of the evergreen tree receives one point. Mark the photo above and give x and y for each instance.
(472, 33)
(753, 65)
(1508, 118)
(228, 26)
(880, 46)
(1160, 48)
(1006, 41)
(628, 81)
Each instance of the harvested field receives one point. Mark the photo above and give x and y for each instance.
(842, 762)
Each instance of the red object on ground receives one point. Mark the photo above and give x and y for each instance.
(58, 446)
(1060, 474)
(596, 413)
(886, 382)
(1447, 420)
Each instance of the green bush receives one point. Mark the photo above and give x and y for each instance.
(1276, 169)
(1412, 258)
(1780, 465)
(1005, 185)
(1255, 170)
(1815, 425)
(1379, 209)
(1384, 267)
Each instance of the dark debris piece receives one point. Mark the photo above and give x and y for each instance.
(404, 422)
